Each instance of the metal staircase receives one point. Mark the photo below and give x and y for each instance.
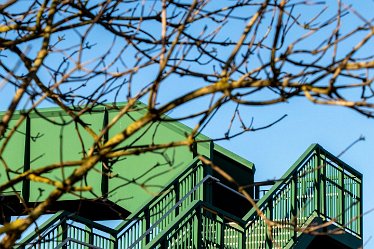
(317, 185)
(318, 189)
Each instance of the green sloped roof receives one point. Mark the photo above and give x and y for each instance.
(176, 126)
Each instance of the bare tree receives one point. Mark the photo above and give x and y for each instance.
(79, 55)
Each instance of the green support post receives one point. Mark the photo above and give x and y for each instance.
(342, 195)
(222, 232)
(361, 210)
(244, 238)
(194, 149)
(207, 187)
(269, 243)
(89, 238)
(26, 161)
(147, 216)
(323, 192)
(115, 243)
(177, 196)
(318, 170)
(199, 228)
(105, 162)
(294, 204)
(164, 243)
(64, 232)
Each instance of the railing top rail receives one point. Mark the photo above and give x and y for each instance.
(44, 226)
(149, 230)
(149, 203)
(67, 240)
(290, 172)
(340, 162)
(314, 148)
(93, 224)
(193, 206)
(228, 216)
(63, 216)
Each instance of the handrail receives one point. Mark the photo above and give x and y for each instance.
(168, 187)
(155, 210)
(317, 182)
(293, 169)
(339, 161)
(67, 240)
(61, 217)
(93, 224)
(183, 215)
(149, 230)
(195, 205)
(223, 213)
(286, 176)
(44, 226)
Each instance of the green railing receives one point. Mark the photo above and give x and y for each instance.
(70, 231)
(140, 228)
(168, 217)
(64, 230)
(318, 184)
(132, 232)
(202, 226)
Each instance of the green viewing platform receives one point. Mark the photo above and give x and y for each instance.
(170, 198)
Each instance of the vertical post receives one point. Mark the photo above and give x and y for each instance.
(194, 149)
(147, 216)
(26, 161)
(177, 196)
(164, 243)
(244, 238)
(208, 185)
(323, 192)
(114, 237)
(257, 192)
(294, 210)
(200, 168)
(361, 224)
(105, 162)
(342, 194)
(209, 170)
(318, 180)
(199, 244)
(222, 233)
(269, 243)
(90, 234)
(64, 232)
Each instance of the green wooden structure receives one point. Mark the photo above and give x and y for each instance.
(195, 207)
